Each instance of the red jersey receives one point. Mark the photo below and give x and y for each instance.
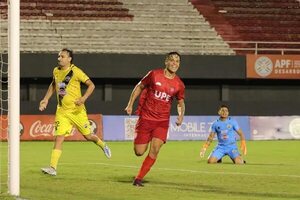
(160, 92)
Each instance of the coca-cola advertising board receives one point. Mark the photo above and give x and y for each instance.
(41, 127)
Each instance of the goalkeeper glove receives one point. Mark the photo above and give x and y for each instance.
(203, 150)
(244, 147)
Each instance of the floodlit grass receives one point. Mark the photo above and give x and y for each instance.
(84, 173)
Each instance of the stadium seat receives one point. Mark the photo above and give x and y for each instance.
(253, 20)
(118, 26)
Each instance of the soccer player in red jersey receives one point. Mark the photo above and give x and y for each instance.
(158, 89)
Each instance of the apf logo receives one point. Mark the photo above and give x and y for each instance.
(263, 66)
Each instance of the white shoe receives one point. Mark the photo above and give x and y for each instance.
(107, 151)
(49, 170)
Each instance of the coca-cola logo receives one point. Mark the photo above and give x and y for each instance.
(38, 128)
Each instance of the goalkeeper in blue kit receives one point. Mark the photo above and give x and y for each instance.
(226, 128)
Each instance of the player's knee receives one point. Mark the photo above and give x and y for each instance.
(212, 161)
(88, 137)
(154, 152)
(59, 139)
(138, 152)
(238, 161)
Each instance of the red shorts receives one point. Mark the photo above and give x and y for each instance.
(147, 129)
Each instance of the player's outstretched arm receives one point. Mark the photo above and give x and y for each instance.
(243, 141)
(44, 101)
(206, 144)
(135, 93)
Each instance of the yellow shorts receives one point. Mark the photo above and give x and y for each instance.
(64, 122)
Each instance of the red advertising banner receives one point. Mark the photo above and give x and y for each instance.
(41, 127)
(273, 66)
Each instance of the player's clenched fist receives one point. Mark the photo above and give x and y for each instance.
(203, 150)
(43, 104)
(128, 110)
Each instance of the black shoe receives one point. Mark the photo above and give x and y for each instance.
(138, 183)
(219, 161)
(244, 161)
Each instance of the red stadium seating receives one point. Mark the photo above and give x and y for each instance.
(105, 26)
(253, 20)
(71, 10)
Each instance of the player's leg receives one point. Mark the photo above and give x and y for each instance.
(83, 125)
(235, 156)
(100, 143)
(142, 136)
(57, 149)
(140, 149)
(159, 136)
(155, 146)
(212, 160)
(149, 161)
(239, 160)
(63, 127)
(216, 155)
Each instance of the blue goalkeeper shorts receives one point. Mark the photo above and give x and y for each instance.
(222, 150)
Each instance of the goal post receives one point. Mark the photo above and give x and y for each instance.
(14, 96)
(10, 105)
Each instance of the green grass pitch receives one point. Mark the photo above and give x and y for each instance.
(84, 173)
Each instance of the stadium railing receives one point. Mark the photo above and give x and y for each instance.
(256, 47)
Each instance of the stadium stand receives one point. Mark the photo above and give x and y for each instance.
(273, 24)
(116, 26)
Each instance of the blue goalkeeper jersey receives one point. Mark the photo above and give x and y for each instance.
(225, 130)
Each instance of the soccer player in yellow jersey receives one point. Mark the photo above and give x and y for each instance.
(70, 109)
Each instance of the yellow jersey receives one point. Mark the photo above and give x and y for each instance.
(68, 88)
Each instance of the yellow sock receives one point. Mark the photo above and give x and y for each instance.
(100, 143)
(55, 155)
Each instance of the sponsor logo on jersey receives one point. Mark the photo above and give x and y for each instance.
(162, 96)
(158, 83)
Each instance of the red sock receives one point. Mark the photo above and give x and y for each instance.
(147, 164)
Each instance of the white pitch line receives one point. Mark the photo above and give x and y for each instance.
(190, 171)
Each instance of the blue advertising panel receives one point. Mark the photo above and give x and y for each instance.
(116, 127)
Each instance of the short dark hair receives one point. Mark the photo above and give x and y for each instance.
(223, 106)
(70, 53)
(174, 53)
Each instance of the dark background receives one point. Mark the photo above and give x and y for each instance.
(209, 80)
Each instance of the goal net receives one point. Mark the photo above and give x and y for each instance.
(3, 123)
(3, 97)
